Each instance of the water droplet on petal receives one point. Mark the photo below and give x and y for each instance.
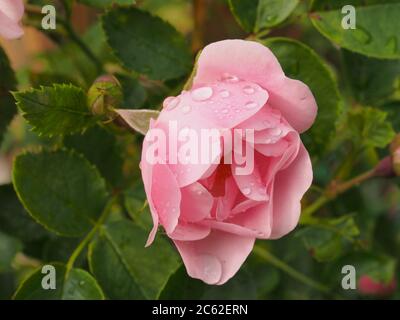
(276, 131)
(171, 103)
(248, 90)
(250, 105)
(225, 111)
(230, 78)
(225, 94)
(202, 94)
(268, 124)
(246, 191)
(186, 109)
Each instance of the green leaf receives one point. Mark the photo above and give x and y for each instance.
(68, 61)
(125, 268)
(326, 238)
(138, 120)
(57, 110)
(377, 26)
(7, 83)
(9, 247)
(134, 93)
(101, 149)
(254, 15)
(106, 3)
(372, 81)
(61, 190)
(137, 208)
(78, 285)
(369, 127)
(14, 220)
(302, 63)
(181, 287)
(146, 44)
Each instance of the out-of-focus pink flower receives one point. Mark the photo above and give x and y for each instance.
(369, 286)
(11, 12)
(211, 211)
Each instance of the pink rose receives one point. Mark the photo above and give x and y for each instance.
(11, 12)
(369, 286)
(211, 209)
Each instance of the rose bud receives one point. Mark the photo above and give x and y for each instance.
(11, 12)
(369, 286)
(105, 94)
(215, 204)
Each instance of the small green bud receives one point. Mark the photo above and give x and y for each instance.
(104, 95)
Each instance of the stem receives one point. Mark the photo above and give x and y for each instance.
(72, 35)
(85, 241)
(333, 191)
(85, 49)
(276, 262)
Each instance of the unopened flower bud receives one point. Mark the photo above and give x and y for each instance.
(104, 95)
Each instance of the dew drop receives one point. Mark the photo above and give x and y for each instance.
(186, 109)
(246, 191)
(250, 105)
(202, 94)
(225, 111)
(225, 94)
(275, 132)
(230, 78)
(248, 90)
(171, 103)
(268, 124)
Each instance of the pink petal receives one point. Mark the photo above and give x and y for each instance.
(147, 177)
(252, 185)
(246, 60)
(14, 9)
(290, 185)
(177, 120)
(254, 62)
(9, 29)
(296, 102)
(190, 232)
(258, 219)
(166, 196)
(216, 258)
(196, 203)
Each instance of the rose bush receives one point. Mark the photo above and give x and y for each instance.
(212, 212)
(11, 12)
(119, 82)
